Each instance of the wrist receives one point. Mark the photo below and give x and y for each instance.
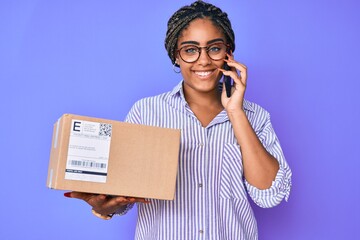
(236, 113)
(104, 217)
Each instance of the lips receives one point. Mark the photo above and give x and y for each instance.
(203, 74)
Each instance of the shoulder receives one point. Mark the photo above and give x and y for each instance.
(254, 108)
(148, 107)
(256, 114)
(153, 101)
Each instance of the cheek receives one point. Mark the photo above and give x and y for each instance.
(184, 66)
(220, 64)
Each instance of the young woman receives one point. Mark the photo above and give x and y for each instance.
(228, 147)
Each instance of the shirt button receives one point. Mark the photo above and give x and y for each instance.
(201, 231)
(200, 185)
(201, 144)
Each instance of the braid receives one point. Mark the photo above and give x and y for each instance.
(181, 19)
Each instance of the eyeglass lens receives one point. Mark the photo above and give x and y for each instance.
(191, 53)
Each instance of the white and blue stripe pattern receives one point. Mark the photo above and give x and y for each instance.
(211, 192)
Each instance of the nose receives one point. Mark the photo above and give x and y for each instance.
(204, 58)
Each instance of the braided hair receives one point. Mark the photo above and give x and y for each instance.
(181, 19)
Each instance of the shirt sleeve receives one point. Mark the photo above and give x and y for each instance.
(281, 186)
(125, 209)
(134, 114)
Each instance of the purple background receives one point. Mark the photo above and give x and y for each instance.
(97, 58)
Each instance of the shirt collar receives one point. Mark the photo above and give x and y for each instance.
(248, 106)
(177, 89)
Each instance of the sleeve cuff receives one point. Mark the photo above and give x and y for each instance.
(272, 196)
(123, 211)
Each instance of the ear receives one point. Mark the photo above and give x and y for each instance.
(177, 62)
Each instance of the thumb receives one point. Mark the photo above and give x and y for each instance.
(223, 91)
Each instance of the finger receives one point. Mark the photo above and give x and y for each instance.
(232, 60)
(239, 78)
(230, 56)
(98, 200)
(239, 66)
(79, 195)
(120, 201)
(223, 92)
(109, 204)
(230, 73)
(138, 200)
(238, 84)
(142, 200)
(115, 202)
(92, 199)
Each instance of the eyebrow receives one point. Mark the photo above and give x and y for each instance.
(197, 43)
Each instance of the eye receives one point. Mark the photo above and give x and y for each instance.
(215, 48)
(190, 50)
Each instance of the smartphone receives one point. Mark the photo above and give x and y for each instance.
(227, 81)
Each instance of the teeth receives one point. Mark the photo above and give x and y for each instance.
(203, 74)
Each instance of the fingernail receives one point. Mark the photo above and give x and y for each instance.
(68, 194)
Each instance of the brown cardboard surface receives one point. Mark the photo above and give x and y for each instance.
(143, 160)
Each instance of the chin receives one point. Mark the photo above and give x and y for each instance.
(205, 86)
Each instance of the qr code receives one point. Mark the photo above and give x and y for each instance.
(105, 129)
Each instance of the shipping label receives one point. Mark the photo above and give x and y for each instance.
(89, 150)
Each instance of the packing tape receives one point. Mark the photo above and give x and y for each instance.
(51, 177)
(57, 132)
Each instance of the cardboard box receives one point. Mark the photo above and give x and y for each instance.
(115, 158)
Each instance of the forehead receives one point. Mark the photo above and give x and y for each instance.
(201, 31)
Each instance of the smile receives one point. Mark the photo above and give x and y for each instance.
(202, 73)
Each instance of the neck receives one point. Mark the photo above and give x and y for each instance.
(193, 97)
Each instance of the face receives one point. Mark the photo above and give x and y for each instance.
(202, 75)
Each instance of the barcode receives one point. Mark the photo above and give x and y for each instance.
(87, 164)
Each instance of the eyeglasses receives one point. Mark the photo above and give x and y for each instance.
(191, 53)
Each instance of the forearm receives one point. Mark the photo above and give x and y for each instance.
(260, 167)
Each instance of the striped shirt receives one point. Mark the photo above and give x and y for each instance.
(211, 198)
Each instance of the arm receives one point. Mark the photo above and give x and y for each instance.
(279, 185)
(267, 175)
(105, 206)
(260, 167)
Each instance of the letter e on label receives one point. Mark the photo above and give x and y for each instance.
(76, 126)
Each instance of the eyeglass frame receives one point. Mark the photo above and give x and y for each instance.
(206, 49)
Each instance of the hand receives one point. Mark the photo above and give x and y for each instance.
(104, 204)
(235, 102)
